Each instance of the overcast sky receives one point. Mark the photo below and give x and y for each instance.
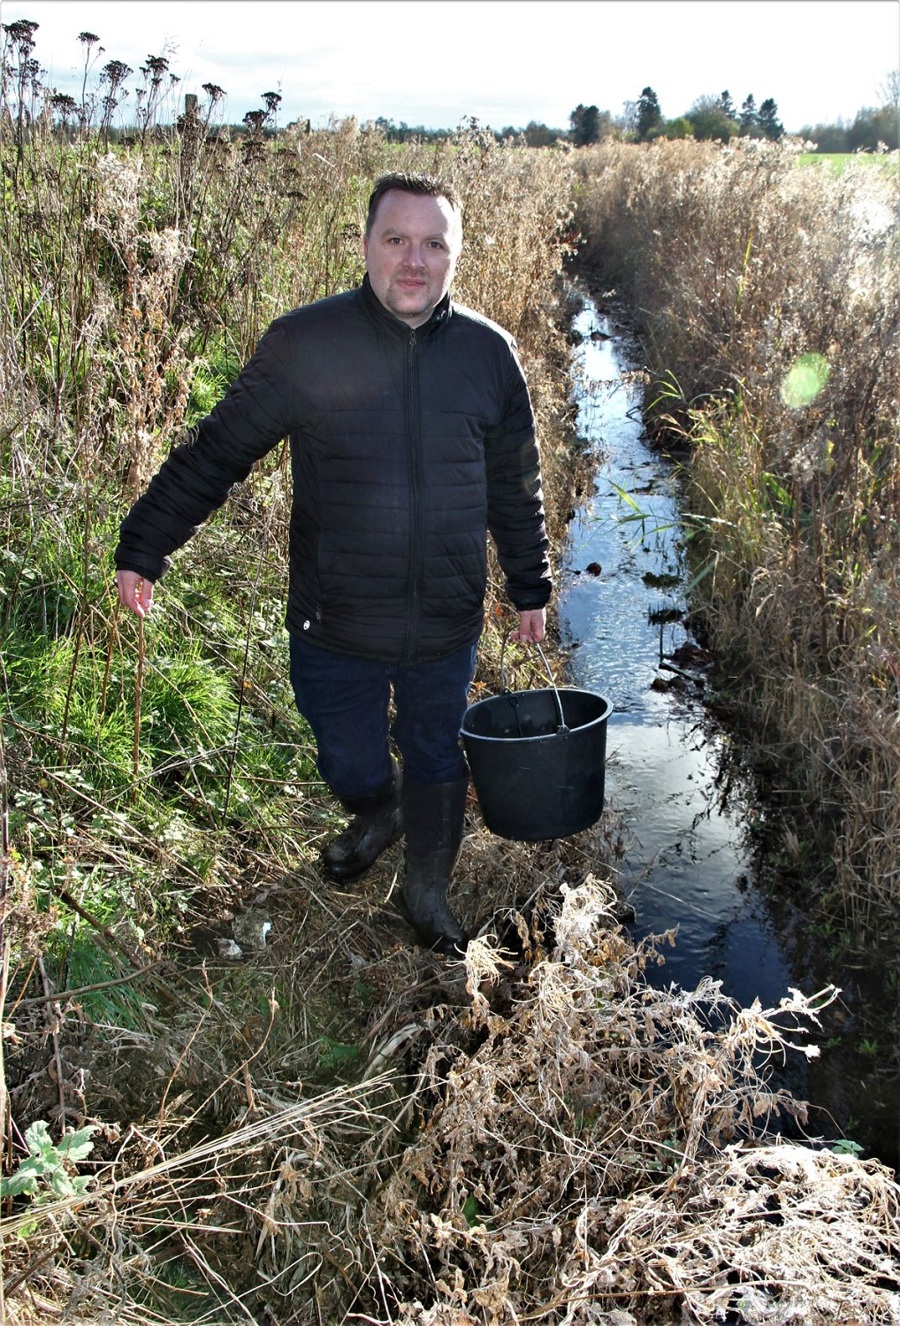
(432, 62)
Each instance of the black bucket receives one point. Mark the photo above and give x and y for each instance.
(538, 761)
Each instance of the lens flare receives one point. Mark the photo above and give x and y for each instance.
(804, 380)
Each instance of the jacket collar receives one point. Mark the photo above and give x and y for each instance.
(396, 326)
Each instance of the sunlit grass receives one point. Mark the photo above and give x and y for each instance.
(769, 301)
(838, 161)
(159, 787)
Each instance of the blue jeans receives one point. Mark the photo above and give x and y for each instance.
(346, 703)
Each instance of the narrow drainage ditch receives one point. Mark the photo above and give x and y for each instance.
(690, 859)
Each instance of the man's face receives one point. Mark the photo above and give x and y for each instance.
(411, 253)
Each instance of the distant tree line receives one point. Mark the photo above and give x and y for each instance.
(710, 117)
(719, 119)
(872, 127)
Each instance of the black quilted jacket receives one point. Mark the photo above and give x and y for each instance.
(406, 447)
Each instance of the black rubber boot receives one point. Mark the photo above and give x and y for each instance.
(377, 822)
(433, 816)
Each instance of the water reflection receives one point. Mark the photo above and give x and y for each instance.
(688, 864)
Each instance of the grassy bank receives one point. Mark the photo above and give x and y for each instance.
(769, 308)
(157, 781)
(134, 284)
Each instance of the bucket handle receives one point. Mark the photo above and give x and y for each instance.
(561, 727)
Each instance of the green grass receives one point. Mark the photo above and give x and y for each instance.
(837, 161)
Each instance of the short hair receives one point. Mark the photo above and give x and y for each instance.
(428, 186)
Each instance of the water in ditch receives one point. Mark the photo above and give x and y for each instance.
(689, 861)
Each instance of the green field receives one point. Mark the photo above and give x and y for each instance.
(838, 160)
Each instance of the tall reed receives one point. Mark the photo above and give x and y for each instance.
(768, 298)
(158, 780)
(134, 280)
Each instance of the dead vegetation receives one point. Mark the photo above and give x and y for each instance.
(293, 1116)
(537, 1135)
(769, 303)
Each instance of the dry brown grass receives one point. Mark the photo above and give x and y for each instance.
(336, 1126)
(531, 1136)
(740, 263)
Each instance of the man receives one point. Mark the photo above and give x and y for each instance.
(411, 436)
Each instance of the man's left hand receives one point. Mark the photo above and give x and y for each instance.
(531, 626)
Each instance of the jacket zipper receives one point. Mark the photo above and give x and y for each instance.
(414, 454)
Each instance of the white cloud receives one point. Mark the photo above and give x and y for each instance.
(434, 61)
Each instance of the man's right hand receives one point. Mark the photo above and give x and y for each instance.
(135, 592)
